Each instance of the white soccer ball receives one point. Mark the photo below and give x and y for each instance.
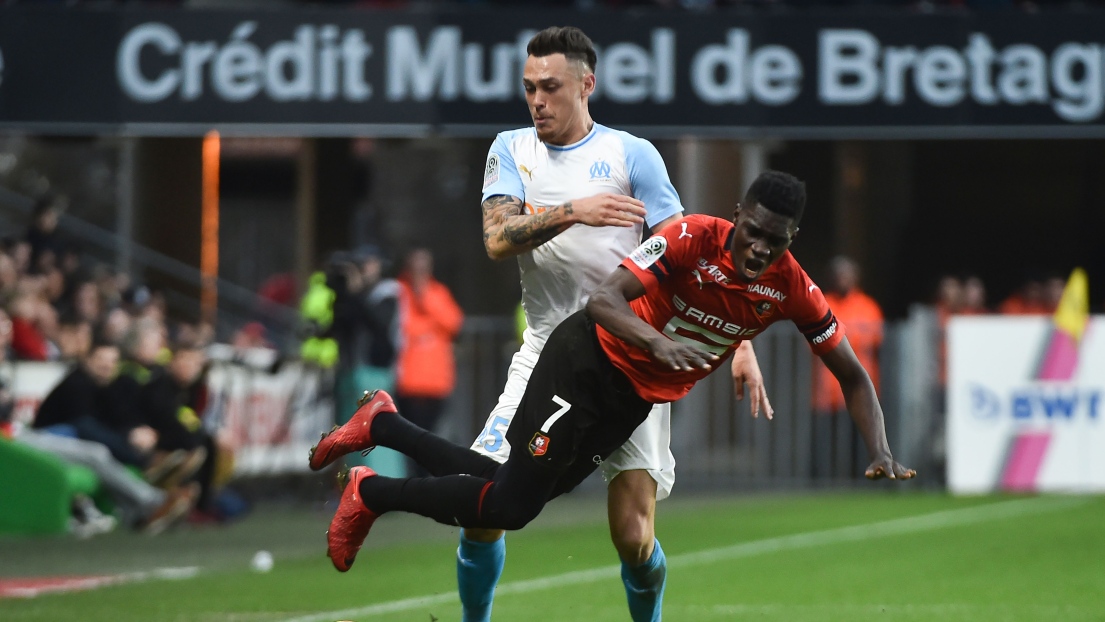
(262, 561)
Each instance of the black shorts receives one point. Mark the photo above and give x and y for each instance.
(577, 409)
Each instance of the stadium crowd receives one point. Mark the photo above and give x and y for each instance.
(130, 407)
(132, 404)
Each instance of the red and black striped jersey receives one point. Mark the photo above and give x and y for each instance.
(692, 295)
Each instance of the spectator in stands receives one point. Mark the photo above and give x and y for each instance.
(83, 301)
(5, 336)
(20, 252)
(42, 236)
(157, 308)
(974, 297)
(70, 262)
(200, 333)
(252, 335)
(949, 296)
(116, 324)
(74, 338)
(9, 277)
(430, 320)
(135, 299)
(30, 316)
(950, 299)
(1053, 293)
(836, 441)
(276, 295)
(1027, 300)
(111, 286)
(53, 286)
(143, 349)
(79, 406)
(168, 400)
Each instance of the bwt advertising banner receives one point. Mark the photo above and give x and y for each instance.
(396, 72)
(1013, 422)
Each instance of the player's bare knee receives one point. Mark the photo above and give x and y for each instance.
(631, 508)
(483, 535)
(633, 538)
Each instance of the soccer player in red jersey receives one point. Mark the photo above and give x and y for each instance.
(675, 308)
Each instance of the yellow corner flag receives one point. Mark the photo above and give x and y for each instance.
(1073, 312)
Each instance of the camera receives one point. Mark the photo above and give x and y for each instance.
(337, 271)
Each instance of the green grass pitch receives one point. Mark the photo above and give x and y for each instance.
(904, 556)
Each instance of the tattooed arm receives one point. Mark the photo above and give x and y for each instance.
(509, 231)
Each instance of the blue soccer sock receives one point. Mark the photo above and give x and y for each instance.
(479, 565)
(644, 586)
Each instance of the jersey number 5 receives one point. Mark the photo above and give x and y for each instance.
(492, 436)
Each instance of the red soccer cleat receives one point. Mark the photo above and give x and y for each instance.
(355, 435)
(351, 522)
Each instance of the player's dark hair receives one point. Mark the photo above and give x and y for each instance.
(779, 192)
(567, 40)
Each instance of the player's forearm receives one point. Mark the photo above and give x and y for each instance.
(610, 309)
(863, 405)
(509, 235)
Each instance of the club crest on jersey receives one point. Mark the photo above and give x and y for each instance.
(649, 251)
(765, 308)
(538, 445)
(600, 171)
(764, 290)
(491, 171)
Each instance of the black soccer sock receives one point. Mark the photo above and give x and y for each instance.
(450, 500)
(510, 501)
(435, 454)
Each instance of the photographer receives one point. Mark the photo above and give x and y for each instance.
(353, 311)
(365, 306)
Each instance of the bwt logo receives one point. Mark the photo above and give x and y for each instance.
(1035, 403)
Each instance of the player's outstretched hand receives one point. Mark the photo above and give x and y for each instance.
(681, 357)
(886, 467)
(747, 371)
(609, 210)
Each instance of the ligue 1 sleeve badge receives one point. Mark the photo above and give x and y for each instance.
(539, 444)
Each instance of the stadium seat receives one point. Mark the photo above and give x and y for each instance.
(37, 489)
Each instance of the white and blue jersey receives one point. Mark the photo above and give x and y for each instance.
(559, 275)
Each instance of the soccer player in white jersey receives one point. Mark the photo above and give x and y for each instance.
(569, 198)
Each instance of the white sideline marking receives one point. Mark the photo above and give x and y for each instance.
(93, 582)
(912, 524)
